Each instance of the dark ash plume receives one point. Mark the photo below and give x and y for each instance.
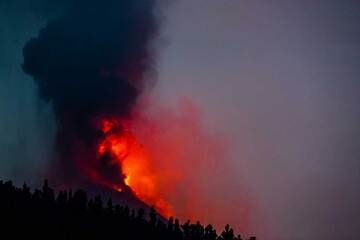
(91, 62)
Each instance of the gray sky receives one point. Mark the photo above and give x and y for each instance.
(279, 79)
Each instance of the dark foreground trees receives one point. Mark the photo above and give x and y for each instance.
(44, 215)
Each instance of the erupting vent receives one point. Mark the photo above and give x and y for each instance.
(119, 147)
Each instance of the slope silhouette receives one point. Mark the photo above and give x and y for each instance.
(42, 214)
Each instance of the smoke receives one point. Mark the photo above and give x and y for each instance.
(190, 159)
(281, 79)
(91, 62)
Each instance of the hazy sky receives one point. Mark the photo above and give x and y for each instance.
(279, 79)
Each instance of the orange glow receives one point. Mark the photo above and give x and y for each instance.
(134, 162)
(170, 159)
(191, 162)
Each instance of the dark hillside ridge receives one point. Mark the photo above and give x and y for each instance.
(42, 214)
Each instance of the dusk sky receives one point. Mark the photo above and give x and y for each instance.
(277, 81)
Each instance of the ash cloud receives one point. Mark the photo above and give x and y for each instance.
(90, 61)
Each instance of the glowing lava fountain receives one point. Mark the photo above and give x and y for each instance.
(122, 149)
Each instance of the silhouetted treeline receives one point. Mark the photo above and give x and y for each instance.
(42, 214)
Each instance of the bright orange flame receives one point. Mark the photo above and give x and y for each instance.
(135, 163)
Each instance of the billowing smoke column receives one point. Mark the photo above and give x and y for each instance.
(90, 63)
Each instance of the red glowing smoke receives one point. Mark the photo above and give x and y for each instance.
(170, 160)
(191, 162)
(163, 154)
